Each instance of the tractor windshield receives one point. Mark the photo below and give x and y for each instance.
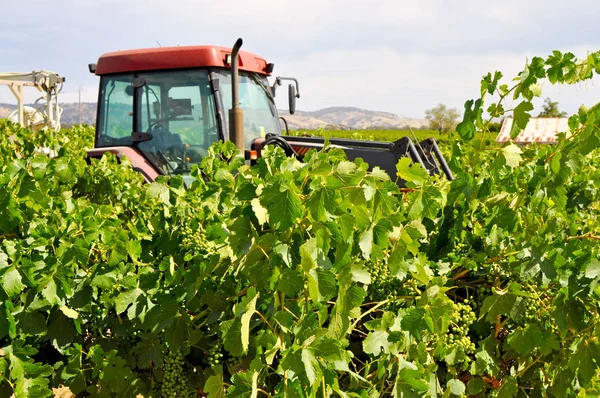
(260, 113)
(175, 107)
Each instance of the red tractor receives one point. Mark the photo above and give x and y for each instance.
(164, 107)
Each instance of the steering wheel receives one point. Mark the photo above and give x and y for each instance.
(276, 140)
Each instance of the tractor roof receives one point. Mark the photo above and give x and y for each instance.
(163, 58)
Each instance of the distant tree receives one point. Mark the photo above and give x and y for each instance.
(495, 127)
(550, 109)
(442, 118)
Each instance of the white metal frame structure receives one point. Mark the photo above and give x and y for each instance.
(46, 107)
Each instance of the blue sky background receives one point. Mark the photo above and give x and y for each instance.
(389, 55)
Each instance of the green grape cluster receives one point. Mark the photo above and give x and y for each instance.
(460, 321)
(95, 321)
(535, 306)
(214, 355)
(175, 381)
(235, 364)
(385, 286)
(193, 240)
(130, 340)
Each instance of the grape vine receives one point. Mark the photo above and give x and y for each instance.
(307, 279)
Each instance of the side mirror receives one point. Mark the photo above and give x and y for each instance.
(292, 98)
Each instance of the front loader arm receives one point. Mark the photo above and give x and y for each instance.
(385, 155)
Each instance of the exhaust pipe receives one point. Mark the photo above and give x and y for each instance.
(236, 115)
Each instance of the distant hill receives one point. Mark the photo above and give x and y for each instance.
(337, 117)
(340, 117)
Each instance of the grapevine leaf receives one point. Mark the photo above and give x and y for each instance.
(50, 292)
(245, 385)
(360, 274)
(160, 316)
(376, 343)
(148, 353)
(564, 380)
(592, 271)
(413, 173)
(525, 340)
(498, 304)
(160, 191)
(119, 251)
(399, 267)
(260, 212)
(283, 204)
(349, 297)
(11, 282)
(125, 299)
(134, 249)
(61, 331)
(509, 388)
(555, 164)
(321, 285)
(456, 387)
(71, 313)
(585, 361)
(475, 386)
(416, 321)
(512, 155)
(409, 380)
(320, 202)
(177, 333)
(231, 332)
(520, 118)
(241, 235)
(214, 384)
(248, 306)
(31, 322)
(426, 203)
(12, 325)
(536, 89)
(284, 319)
(312, 368)
(3, 259)
(466, 128)
(366, 243)
(291, 282)
(440, 310)
(72, 373)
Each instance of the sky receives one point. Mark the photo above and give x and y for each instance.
(395, 56)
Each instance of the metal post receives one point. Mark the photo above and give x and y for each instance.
(17, 90)
(49, 108)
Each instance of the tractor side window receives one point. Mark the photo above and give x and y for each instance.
(260, 114)
(116, 111)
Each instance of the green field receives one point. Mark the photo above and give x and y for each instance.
(389, 135)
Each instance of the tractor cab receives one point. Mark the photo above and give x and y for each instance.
(171, 104)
